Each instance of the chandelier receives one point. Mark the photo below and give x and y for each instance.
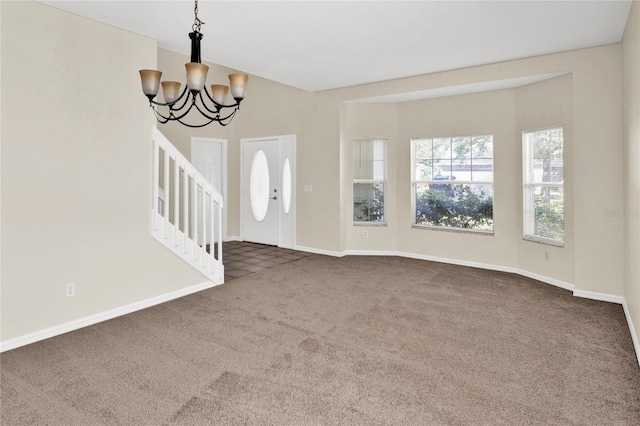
(181, 104)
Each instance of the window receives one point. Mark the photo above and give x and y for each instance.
(544, 186)
(369, 175)
(452, 183)
(259, 186)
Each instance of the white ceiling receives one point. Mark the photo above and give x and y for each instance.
(330, 44)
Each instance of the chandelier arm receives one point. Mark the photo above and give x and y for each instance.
(217, 112)
(195, 126)
(178, 117)
(161, 118)
(204, 114)
(172, 117)
(171, 104)
(230, 117)
(215, 103)
(164, 119)
(184, 102)
(217, 118)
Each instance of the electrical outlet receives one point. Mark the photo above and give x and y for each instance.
(365, 233)
(546, 255)
(70, 289)
(308, 188)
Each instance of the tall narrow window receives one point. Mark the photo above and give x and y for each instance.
(452, 183)
(369, 176)
(544, 186)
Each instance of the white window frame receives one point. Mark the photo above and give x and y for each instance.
(372, 181)
(529, 185)
(415, 182)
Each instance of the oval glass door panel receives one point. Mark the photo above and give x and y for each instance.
(259, 186)
(286, 185)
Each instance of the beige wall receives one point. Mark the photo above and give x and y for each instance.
(76, 171)
(631, 72)
(540, 105)
(597, 135)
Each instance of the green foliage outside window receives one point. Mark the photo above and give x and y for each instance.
(370, 207)
(549, 216)
(467, 209)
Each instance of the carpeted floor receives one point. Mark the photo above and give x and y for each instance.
(355, 340)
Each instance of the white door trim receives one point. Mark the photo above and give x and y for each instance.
(281, 140)
(223, 175)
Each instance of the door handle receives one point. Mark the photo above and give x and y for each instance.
(275, 197)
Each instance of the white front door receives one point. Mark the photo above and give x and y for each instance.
(260, 191)
(268, 200)
(208, 156)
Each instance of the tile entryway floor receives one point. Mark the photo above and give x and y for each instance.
(242, 258)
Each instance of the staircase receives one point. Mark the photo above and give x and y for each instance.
(187, 210)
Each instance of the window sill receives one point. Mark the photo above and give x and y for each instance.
(456, 230)
(541, 240)
(369, 223)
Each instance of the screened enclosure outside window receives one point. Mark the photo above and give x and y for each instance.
(544, 185)
(369, 175)
(452, 182)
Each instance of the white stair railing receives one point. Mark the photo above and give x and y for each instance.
(187, 210)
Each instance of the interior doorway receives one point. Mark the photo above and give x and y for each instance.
(209, 157)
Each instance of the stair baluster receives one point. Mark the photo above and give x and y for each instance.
(180, 233)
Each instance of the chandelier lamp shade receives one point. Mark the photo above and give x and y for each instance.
(212, 105)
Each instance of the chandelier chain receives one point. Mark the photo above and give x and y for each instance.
(196, 21)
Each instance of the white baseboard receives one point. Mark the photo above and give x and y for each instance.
(547, 280)
(451, 261)
(229, 238)
(603, 297)
(632, 329)
(319, 251)
(459, 262)
(489, 266)
(103, 316)
(370, 253)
